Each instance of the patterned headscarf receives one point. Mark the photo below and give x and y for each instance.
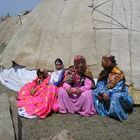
(79, 58)
(104, 73)
(110, 58)
(112, 74)
(85, 73)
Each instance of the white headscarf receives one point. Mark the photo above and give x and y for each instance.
(55, 75)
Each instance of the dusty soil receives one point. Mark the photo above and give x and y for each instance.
(82, 128)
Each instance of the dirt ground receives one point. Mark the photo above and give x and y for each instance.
(82, 128)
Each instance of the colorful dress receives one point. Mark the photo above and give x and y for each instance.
(41, 103)
(83, 103)
(120, 103)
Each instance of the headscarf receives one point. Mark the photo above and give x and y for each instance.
(85, 72)
(113, 74)
(110, 58)
(58, 75)
(104, 73)
(60, 60)
(79, 58)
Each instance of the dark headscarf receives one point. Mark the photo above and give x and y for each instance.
(110, 58)
(43, 72)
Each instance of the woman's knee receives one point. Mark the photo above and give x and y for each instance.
(87, 94)
(62, 92)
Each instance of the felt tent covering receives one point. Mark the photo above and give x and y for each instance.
(65, 28)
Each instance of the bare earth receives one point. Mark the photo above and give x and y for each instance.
(82, 128)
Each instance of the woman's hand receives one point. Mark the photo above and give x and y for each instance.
(105, 97)
(100, 97)
(69, 91)
(32, 91)
(78, 91)
(69, 79)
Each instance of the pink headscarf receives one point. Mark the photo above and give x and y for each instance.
(78, 58)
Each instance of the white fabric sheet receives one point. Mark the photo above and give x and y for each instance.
(15, 77)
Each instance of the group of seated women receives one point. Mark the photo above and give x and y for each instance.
(74, 91)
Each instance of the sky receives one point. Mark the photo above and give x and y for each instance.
(14, 7)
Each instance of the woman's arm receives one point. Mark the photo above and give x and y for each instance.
(88, 84)
(119, 87)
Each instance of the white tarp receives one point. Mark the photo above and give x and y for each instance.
(15, 77)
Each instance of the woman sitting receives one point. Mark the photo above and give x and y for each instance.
(37, 98)
(76, 94)
(58, 75)
(111, 94)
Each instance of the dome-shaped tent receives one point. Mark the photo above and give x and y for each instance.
(8, 27)
(93, 28)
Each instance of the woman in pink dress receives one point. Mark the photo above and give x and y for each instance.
(38, 98)
(76, 94)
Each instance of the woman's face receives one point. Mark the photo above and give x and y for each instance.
(80, 66)
(40, 76)
(58, 66)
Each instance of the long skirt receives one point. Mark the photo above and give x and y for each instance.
(119, 106)
(82, 104)
(41, 104)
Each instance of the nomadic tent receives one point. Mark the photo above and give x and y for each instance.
(8, 27)
(93, 28)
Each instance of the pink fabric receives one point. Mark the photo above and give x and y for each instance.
(87, 85)
(78, 58)
(82, 104)
(42, 102)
